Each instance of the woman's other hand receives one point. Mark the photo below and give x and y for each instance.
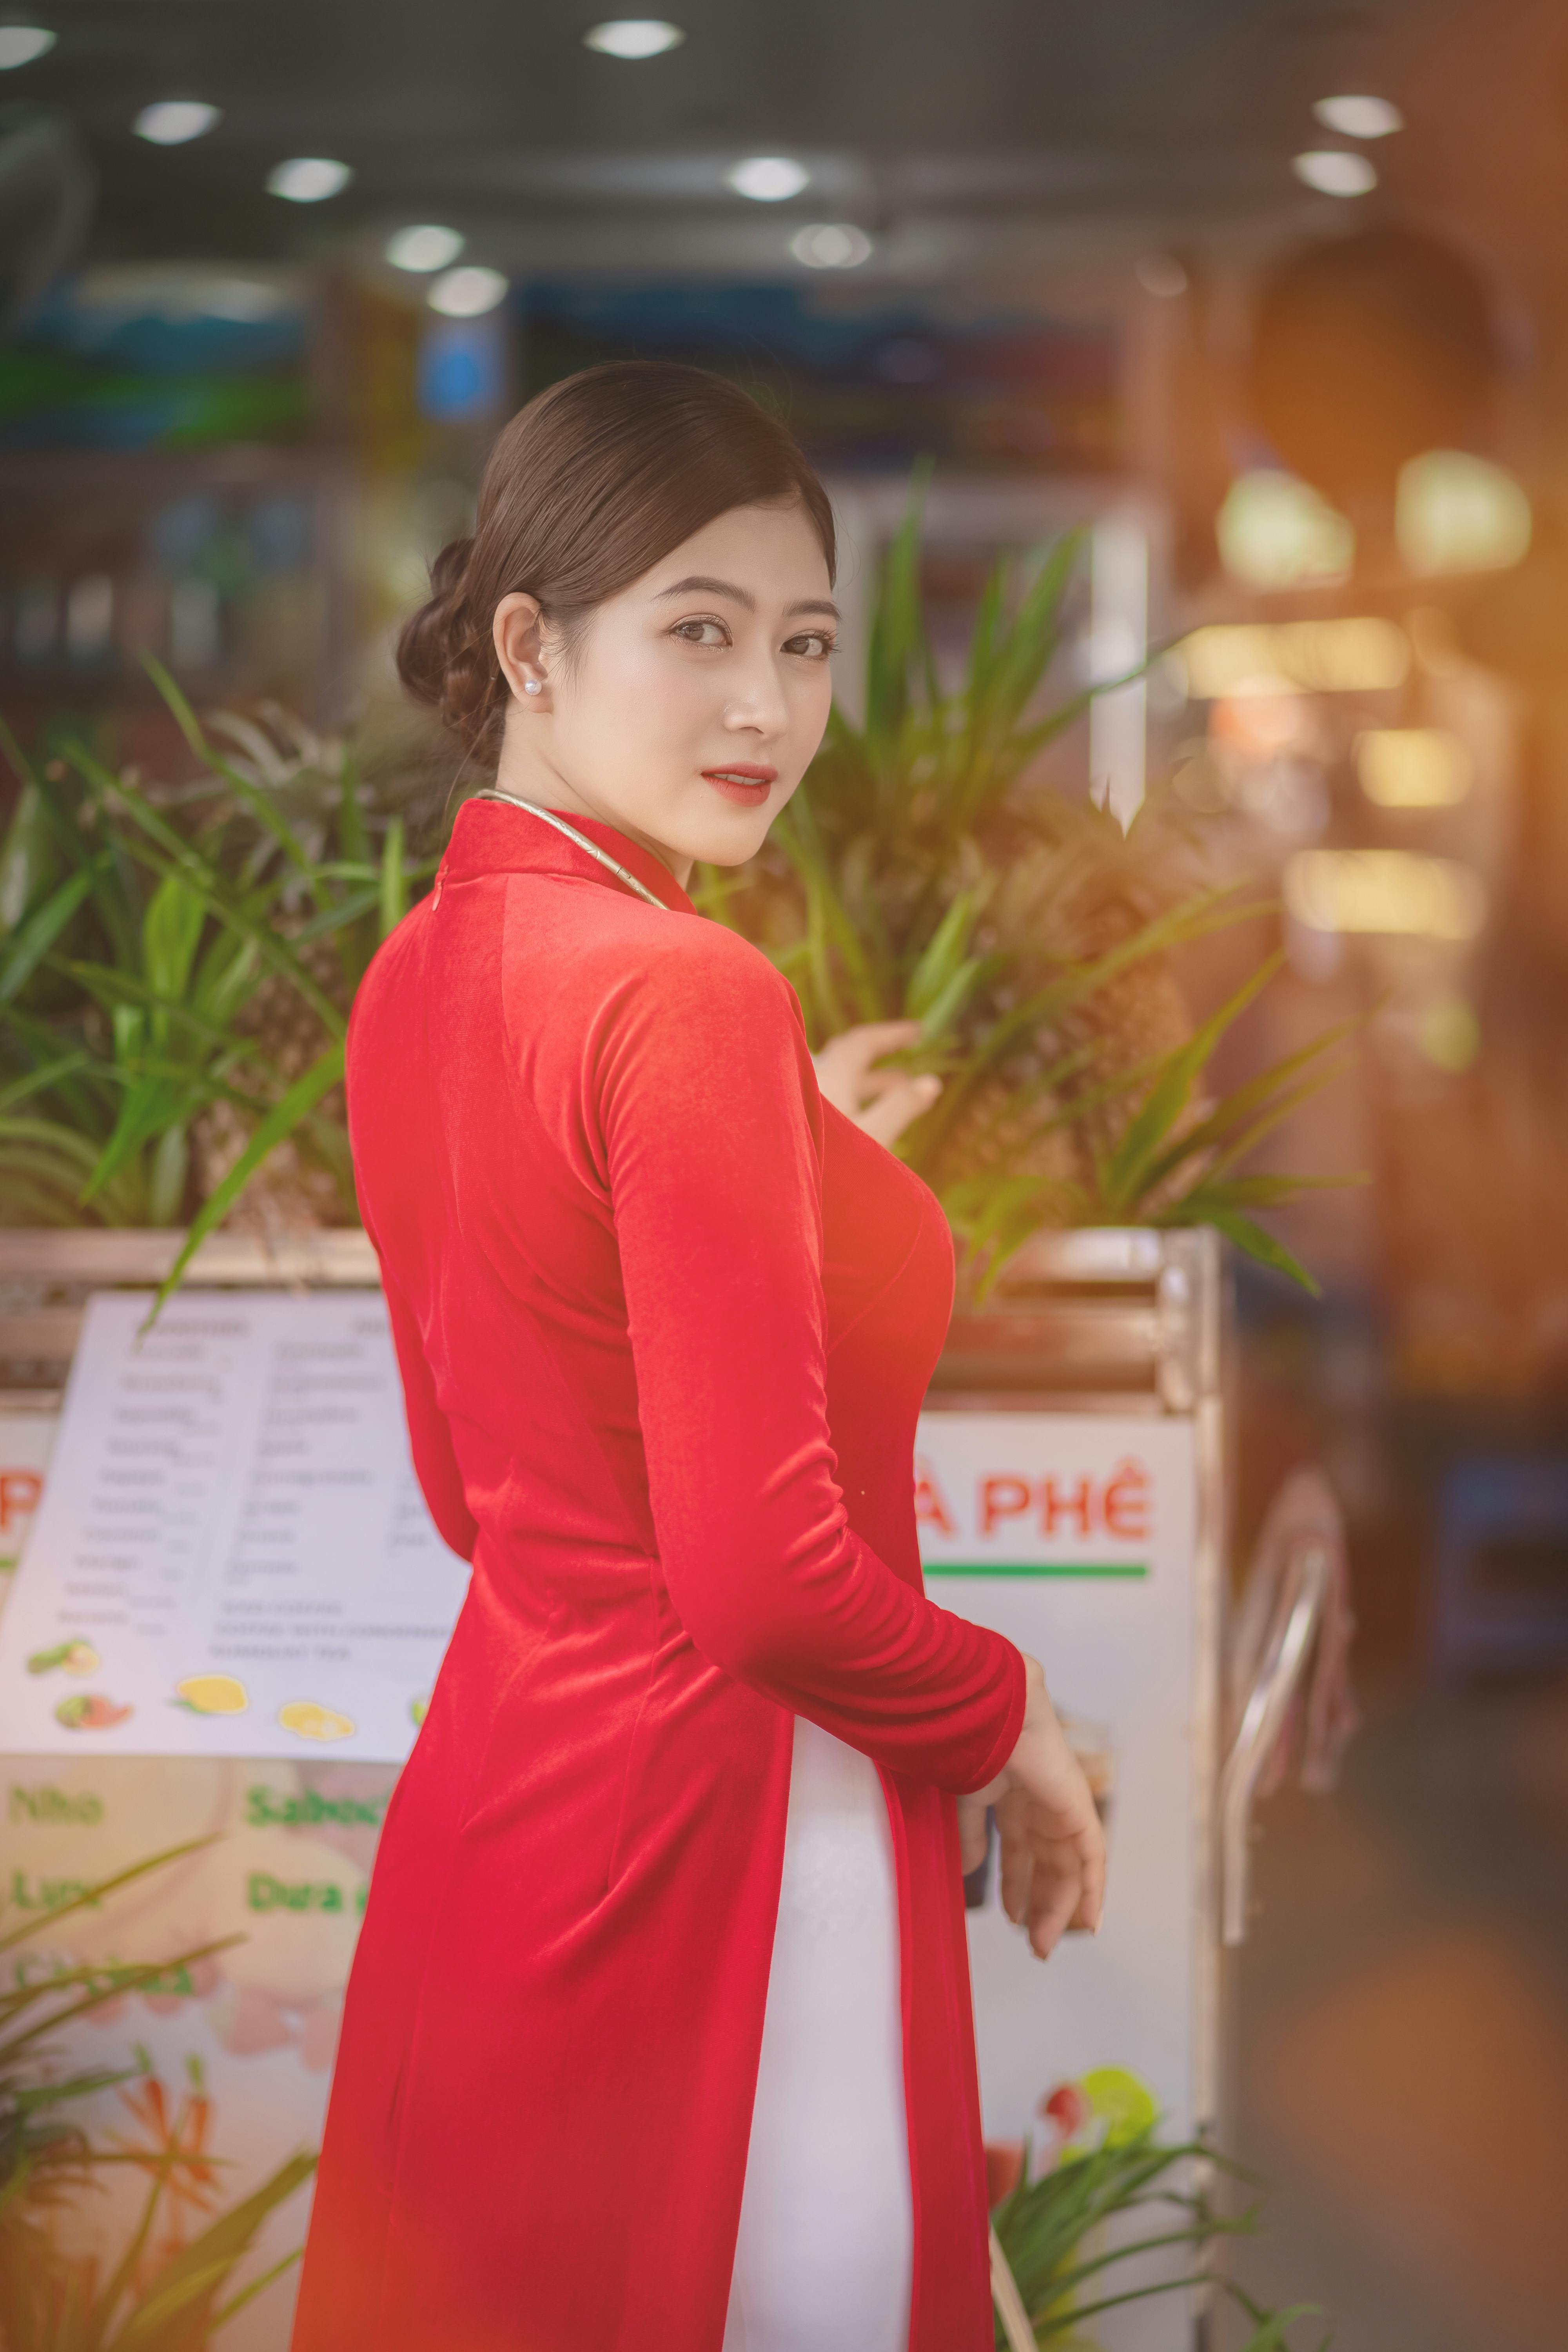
(883, 1102)
(1053, 1847)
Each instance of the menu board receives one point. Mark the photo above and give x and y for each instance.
(232, 1557)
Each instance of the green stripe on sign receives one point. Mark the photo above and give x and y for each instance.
(1036, 1568)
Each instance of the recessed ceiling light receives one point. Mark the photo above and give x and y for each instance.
(1359, 118)
(424, 248)
(308, 179)
(1335, 172)
(633, 37)
(172, 121)
(831, 245)
(20, 44)
(467, 293)
(769, 179)
(244, 299)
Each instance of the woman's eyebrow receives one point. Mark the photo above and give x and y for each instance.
(698, 583)
(710, 588)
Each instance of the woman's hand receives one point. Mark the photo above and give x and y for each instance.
(1053, 1847)
(883, 1102)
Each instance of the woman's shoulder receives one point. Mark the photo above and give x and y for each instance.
(697, 968)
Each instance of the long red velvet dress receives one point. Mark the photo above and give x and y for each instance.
(665, 1321)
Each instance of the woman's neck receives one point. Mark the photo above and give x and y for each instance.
(532, 776)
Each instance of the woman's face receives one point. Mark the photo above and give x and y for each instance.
(693, 701)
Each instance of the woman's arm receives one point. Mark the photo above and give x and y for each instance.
(430, 1433)
(703, 1081)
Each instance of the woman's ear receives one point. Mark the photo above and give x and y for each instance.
(519, 649)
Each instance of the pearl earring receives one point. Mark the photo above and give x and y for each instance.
(532, 685)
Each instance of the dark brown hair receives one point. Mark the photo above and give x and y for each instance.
(586, 488)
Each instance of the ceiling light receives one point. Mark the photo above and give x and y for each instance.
(1454, 512)
(769, 179)
(1342, 655)
(831, 245)
(1413, 767)
(1275, 531)
(1161, 274)
(633, 37)
(1387, 890)
(1449, 1034)
(246, 300)
(467, 293)
(424, 248)
(1359, 118)
(20, 44)
(308, 179)
(170, 121)
(1335, 172)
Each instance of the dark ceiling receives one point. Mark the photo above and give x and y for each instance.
(951, 130)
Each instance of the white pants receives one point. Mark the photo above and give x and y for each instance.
(826, 2247)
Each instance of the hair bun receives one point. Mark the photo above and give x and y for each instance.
(444, 658)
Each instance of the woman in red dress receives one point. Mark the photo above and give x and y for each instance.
(659, 2035)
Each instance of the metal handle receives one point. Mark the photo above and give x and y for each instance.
(1297, 1614)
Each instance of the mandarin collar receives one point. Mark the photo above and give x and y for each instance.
(489, 837)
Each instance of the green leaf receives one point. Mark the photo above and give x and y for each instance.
(394, 879)
(280, 1122)
(1196, 917)
(21, 766)
(897, 646)
(1140, 1148)
(187, 2284)
(1235, 1110)
(1277, 2324)
(943, 954)
(944, 1013)
(1268, 1192)
(91, 1896)
(257, 801)
(352, 830)
(33, 939)
(170, 933)
(165, 851)
(1248, 1237)
(257, 2286)
(31, 855)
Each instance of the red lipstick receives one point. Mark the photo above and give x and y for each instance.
(743, 781)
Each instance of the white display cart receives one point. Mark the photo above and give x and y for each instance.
(1071, 1484)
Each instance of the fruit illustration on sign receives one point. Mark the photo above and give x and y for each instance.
(309, 1721)
(76, 1657)
(89, 1711)
(213, 1694)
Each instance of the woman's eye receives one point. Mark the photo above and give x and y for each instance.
(701, 632)
(815, 644)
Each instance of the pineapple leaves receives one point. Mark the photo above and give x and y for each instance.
(912, 876)
(1126, 1175)
(1047, 2225)
(178, 956)
(279, 1123)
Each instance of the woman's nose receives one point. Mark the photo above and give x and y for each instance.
(759, 703)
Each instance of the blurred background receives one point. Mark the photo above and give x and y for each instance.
(1270, 297)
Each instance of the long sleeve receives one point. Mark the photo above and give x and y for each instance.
(712, 1157)
(430, 1437)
